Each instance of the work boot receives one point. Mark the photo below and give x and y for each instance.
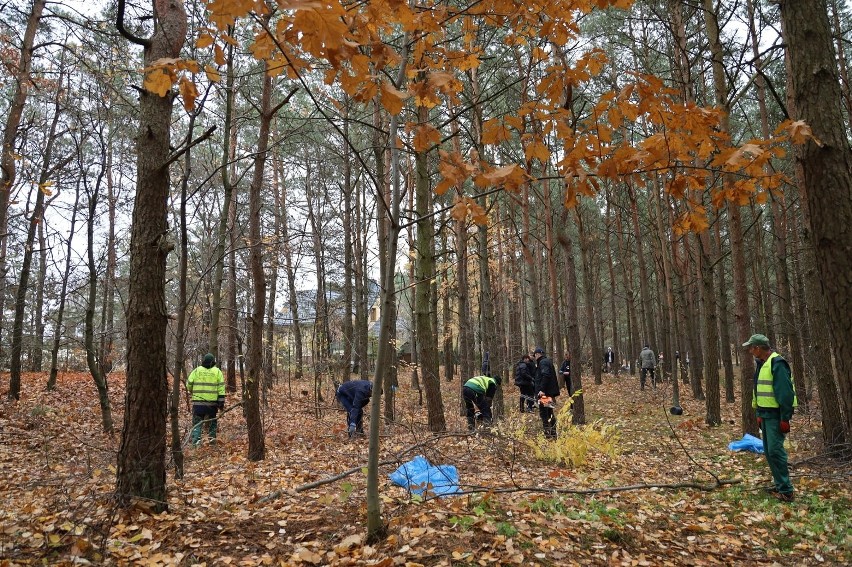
(784, 496)
(351, 430)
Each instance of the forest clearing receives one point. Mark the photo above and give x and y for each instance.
(59, 477)
(261, 209)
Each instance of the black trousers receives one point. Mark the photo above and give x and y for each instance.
(526, 398)
(473, 400)
(548, 420)
(642, 378)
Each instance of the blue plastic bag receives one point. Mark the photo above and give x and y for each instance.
(747, 443)
(421, 477)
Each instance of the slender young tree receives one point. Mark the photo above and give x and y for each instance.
(8, 167)
(36, 218)
(93, 193)
(63, 291)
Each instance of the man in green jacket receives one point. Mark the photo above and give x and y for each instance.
(774, 401)
(206, 385)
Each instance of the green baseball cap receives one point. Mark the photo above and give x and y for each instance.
(757, 340)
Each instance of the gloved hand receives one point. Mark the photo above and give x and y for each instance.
(784, 426)
(220, 405)
(760, 422)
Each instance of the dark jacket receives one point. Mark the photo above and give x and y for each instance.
(545, 378)
(524, 373)
(356, 393)
(565, 374)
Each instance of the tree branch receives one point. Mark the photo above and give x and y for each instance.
(119, 24)
(175, 156)
(283, 102)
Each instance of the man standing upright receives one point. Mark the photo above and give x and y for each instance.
(524, 381)
(609, 360)
(648, 362)
(565, 372)
(774, 402)
(206, 386)
(546, 386)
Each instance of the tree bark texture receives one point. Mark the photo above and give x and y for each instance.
(141, 468)
(826, 162)
(251, 394)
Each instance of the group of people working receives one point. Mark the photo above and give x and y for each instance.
(774, 399)
(536, 378)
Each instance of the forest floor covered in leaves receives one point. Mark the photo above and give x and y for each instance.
(58, 473)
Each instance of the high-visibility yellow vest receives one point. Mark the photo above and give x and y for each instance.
(765, 393)
(206, 385)
(480, 383)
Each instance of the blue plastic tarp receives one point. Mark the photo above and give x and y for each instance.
(425, 479)
(747, 443)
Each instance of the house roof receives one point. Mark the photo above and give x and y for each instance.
(307, 300)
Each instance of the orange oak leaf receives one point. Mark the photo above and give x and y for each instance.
(157, 81)
(537, 150)
(425, 136)
(799, 132)
(204, 40)
(392, 98)
(188, 92)
(212, 74)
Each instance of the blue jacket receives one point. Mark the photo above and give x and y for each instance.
(355, 392)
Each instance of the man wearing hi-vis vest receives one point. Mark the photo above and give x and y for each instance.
(477, 394)
(774, 401)
(206, 385)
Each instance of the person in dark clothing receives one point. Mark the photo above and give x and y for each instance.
(565, 372)
(477, 394)
(609, 360)
(546, 386)
(648, 362)
(524, 381)
(354, 395)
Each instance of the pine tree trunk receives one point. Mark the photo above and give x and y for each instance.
(826, 162)
(180, 325)
(710, 329)
(588, 288)
(424, 271)
(348, 259)
(573, 328)
(141, 468)
(446, 312)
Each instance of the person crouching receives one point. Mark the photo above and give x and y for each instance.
(354, 395)
(477, 393)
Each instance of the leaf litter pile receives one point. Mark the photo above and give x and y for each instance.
(666, 492)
